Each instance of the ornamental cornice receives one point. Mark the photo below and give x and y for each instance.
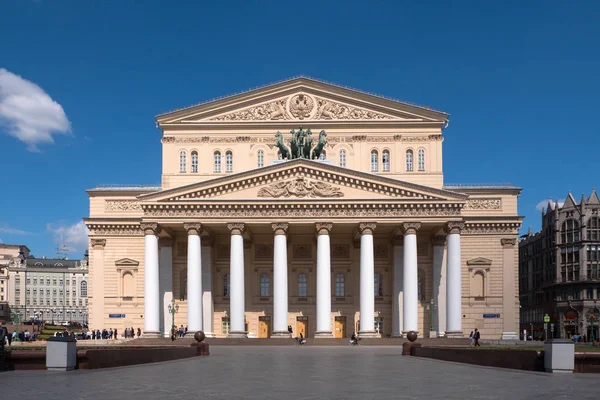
(492, 203)
(491, 228)
(122, 205)
(115, 229)
(269, 140)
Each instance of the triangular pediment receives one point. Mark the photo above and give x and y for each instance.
(302, 179)
(301, 99)
(479, 261)
(127, 262)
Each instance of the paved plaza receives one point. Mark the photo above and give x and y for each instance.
(257, 372)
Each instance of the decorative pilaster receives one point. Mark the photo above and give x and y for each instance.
(236, 270)
(398, 300)
(410, 278)
(165, 272)
(439, 284)
(151, 281)
(510, 304)
(323, 280)
(367, 276)
(454, 283)
(207, 297)
(96, 286)
(194, 278)
(280, 281)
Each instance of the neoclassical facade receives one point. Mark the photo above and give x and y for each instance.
(245, 239)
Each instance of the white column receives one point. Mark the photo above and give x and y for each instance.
(398, 300)
(280, 281)
(367, 277)
(166, 283)
(323, 281)
(439, 285)
(194, 278)
(411, 278)
(453, 287)
(237, 316)
(207, 299)
(151, 286)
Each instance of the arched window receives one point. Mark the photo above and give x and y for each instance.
(228, 161)
(409, 160)
(261, 158)
(385, 160)
(128, 285)
(343, 158)
(264, 285)
(593, 228)
(217, 161)
(378, 285)
(340, 287)
(323, 155)
(374, 161)
(83, 289)
(570, 231)
(421, 160)
(302, 285)
(477, 285)
(226, 285)
(194, 161)
(182, 161)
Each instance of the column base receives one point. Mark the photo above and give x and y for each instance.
(368, 334)
(454, 334)
(281, 335)
(152, 334)
(237, 335)
(432, 334)
(323, 335)
(510, 336)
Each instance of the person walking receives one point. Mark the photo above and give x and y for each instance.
(139, 332)
(471, 339)
(476, 337)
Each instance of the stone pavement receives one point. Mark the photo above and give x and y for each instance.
(302, 372)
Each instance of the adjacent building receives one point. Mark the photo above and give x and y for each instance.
(559, 270)
(309, 205)
(48, 289)
(7, 253)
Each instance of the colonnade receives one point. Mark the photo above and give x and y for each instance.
(405, 302)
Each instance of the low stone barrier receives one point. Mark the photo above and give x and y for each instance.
(588, 362)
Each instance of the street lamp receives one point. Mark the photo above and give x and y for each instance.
(173, 308)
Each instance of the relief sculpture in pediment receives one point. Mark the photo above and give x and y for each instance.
(300, 187)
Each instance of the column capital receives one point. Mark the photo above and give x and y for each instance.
(398, 240)
(438, 240)
(149, 228)
(411, 228)
(236, 228)
(193, 228)
(508, 242)
(165, 242)
(367, 228)
(280, 228)
(454, 227)
(323, 228)
(98, 244)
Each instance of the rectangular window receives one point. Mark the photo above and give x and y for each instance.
(379, 325)
(264, 285)
(225, 325)
(340, 290)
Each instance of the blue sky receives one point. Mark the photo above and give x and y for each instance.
(519, 79)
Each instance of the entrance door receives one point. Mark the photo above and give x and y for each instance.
(264, 327)
(302, 326)
(340, 327)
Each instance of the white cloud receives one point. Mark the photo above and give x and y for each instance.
(5, 228)
(74, 237)
(28, 113)
(544, 203)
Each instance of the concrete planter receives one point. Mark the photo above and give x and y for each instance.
(61, 354)
(559, 355)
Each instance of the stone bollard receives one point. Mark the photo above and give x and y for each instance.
(61, 354)
(559, 355)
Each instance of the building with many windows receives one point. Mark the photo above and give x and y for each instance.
(309, 205)
(559, 270)
(49, 289)
(7, 253)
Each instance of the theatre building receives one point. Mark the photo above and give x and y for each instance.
(309, 205)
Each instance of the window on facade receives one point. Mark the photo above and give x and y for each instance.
(302, 285)
(217, 161)
(570, 231)
(378, 324)
(264, 285)
(323, 155)
(593, 229)
(54, 281)
(226, 285)
(478, 285)
(182, 161)
(340, 287)
(421, 160)
(378, 280)
(343, 158)
(83, 289)
(127, 285)
(374, 161)
(225, 325)
(409, 160)
(260, 158)
(385, 160)
(229, 162)
(194, 161)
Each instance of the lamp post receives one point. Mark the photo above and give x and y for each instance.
(173, 308)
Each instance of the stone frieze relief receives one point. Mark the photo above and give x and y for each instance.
(122, 205)
(300, 187)
(483, 204)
